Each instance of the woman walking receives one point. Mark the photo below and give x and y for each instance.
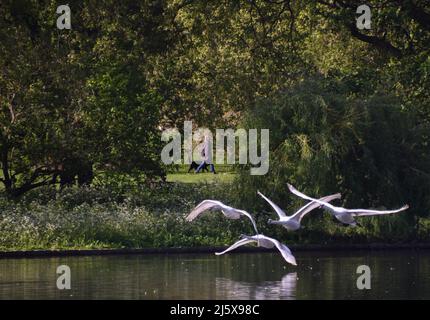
(206, 157)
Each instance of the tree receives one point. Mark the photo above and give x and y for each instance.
(50, 82)
(325, 140)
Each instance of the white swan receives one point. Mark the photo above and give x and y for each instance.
(229, 212)
(345, 215)
(292, 222)
(266, 242)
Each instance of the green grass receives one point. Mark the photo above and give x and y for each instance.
(222, 177)
(225, 174)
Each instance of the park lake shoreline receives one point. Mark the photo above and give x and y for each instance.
(107, 221)
(205, 250)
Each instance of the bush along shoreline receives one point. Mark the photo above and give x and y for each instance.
(100, 218)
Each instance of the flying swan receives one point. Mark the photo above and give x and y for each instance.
(266, 242)
(229, 212)
(292, 222)
(345, 215)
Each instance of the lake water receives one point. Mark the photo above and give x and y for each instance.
(403, 274)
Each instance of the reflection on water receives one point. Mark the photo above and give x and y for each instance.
(283, 289)
(399, 274)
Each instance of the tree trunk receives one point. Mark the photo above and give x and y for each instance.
(7, 181)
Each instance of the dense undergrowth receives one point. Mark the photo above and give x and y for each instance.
(48, 218)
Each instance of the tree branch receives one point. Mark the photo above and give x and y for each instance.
(10, 106)
(379, 43)
(27, 187)
(5, 166)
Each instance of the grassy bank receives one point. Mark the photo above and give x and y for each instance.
(225, 174)
(141, 218)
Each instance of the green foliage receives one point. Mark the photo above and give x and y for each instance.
(78, 99)
(124, 115)
(95, 218)
(325, 140)
(100, 218)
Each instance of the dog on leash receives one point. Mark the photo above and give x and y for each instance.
(194, 166)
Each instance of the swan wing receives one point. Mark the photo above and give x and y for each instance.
(283, 249)
(235, 245)
(278, 210)
(247, 214)
(299, 214)
(364, 212)
(203, 206)
(303, 196)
